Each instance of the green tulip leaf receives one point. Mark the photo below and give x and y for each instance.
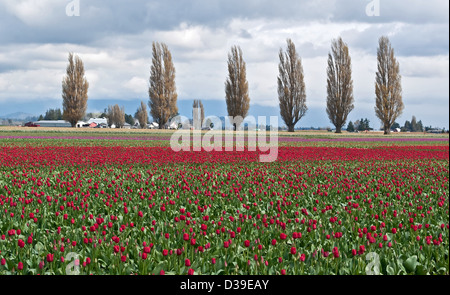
(411, 264)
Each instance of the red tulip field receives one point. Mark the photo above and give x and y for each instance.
(128, 206)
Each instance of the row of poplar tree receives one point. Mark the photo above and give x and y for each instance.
(290, 82)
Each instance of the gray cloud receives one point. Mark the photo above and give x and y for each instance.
(114, 40)
(46, 20)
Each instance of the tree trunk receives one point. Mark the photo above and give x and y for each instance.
(291, 128)
(338, 129)
(387, 130)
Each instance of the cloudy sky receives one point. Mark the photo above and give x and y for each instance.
(114, 38)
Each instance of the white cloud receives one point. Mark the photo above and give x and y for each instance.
(137, 84)
(187, 37)
(35, 13)
(114, 41)
(424, 66)
(30, 85)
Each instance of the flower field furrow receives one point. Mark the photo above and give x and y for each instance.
(231, 138)
(98, 156)
(149, 210)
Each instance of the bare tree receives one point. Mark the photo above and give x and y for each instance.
(198, 113)
(339, 84)
(388, 89)
(162, 90)
(291, 87)
(110, 115)
(141, 115)
(74, 91)
(116, 116)
(236, 87)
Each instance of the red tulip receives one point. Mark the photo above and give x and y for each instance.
(50, 257)
(335, 252)
(302, 257)
(21, 243)
(293, 250)
(361, 249)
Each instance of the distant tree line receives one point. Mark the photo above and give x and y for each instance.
(359, 125)
(413, 126)
(162, 92)
(409, 126)
(141, 115)
(116, 116)
(52, 114)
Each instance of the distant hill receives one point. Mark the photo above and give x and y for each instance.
(18, 116)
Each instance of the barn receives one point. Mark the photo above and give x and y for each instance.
(53, 123)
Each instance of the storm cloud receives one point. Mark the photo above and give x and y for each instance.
(114, 40)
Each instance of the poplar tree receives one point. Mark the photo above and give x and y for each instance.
(236, 87)
(388, 89)
(162, 90)
(339, 84)
(291, 87)
(74, 91)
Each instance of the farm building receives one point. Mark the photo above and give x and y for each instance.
(93, 123)
(81, 124)
(53, 123)
(98, 121)
(153, 125)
